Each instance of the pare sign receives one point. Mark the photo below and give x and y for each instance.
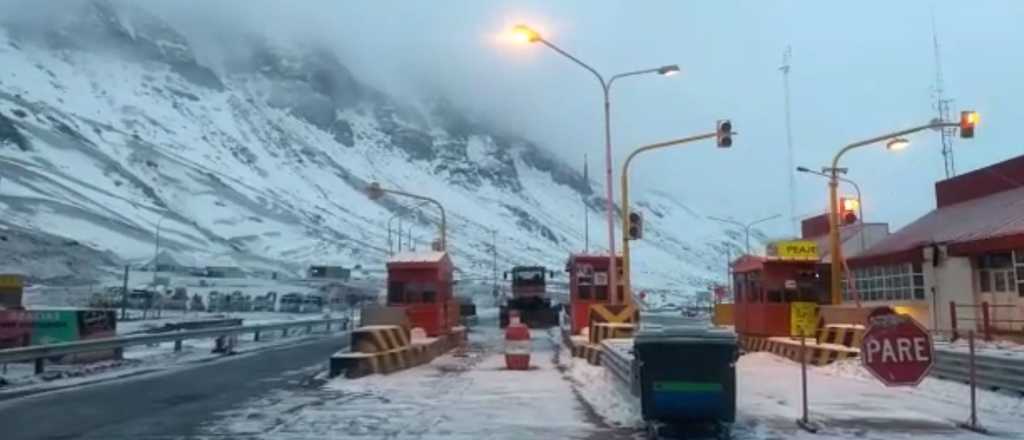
(897, 350)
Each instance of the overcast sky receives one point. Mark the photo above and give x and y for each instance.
(859, 69)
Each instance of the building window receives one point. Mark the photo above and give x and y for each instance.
(997, 273)
(1019, 262)
(895, 282)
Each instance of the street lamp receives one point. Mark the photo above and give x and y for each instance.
(626, 279)
(745, 226)
(399, 215)
(860, 199)
(374, 191)
(894, 142)
(525, 34)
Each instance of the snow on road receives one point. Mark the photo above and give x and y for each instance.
(850, 403)
(471, 397)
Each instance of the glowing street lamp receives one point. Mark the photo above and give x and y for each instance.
(524, 34)
(893, 142)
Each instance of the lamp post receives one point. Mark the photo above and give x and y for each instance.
(746, 226)
(398, 216)
(893, 141)
(374, 191)
(860, 200)
(625, 199)
(524, 34)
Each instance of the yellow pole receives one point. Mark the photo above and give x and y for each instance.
(833, 202)
(627, 287)
(835, 248)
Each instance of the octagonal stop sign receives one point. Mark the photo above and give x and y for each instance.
(896, 349)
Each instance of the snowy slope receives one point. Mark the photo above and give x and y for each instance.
(109, 126)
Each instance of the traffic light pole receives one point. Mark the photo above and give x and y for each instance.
(836, 286)
(374, 191)
(627, 287)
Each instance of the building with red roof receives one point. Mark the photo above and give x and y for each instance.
(968, 250)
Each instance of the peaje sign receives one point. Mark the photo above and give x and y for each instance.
(896, 349)
(798, 250)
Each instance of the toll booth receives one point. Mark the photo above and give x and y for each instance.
(588, 285)
(421, 283)
(767, 289)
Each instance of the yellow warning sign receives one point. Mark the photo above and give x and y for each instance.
(803, 318)
(797, 250)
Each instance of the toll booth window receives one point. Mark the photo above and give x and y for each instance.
(601, 293)
(429, 297)
(395, 292)
(413, 296)
(583, 292)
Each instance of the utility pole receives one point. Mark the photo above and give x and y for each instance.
(124, 294)
(789, 142)
(494, 258)
(942, 106)
(586, 209)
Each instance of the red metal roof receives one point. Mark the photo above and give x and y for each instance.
(996, 178)
(991, 222)
(748, 263)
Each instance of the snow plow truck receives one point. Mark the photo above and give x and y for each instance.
(530, 298)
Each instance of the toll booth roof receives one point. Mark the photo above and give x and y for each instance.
(418, 257)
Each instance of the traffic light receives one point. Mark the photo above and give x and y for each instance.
(968, 120)
(636, 225)
(724, 133)
(848, 209)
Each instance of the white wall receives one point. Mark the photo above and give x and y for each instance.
(951, 280)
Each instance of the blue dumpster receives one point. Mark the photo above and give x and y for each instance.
(687, 375)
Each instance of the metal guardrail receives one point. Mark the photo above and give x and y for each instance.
(991, 371)
(617, 358)
(40, 353)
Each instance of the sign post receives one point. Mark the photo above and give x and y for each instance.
(973, 425)
(896, 349)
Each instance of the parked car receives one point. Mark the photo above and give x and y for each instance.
(291, 302)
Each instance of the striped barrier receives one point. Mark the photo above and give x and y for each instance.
(385, 349)
(819, 354)
(617, 313)
(610, 330)
(842, 334)
(582, 348)
(379, 338)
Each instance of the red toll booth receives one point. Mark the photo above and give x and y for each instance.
(588, 284)
(766, 286)
(421, 283)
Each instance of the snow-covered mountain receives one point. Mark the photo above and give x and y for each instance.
(110, 129)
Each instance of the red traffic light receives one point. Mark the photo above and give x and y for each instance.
(968, 120)
(849, 208)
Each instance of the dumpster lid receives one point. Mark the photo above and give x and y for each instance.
(702, 335)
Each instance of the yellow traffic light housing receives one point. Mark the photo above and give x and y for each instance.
(635, 230)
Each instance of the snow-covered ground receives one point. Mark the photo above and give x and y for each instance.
(849, 403)
(471, 397)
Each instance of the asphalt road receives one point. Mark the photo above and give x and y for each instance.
(170, 404)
